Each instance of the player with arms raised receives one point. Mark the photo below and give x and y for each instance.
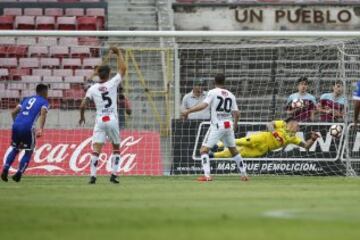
(23, 130)
(104, 94)
(224, 118)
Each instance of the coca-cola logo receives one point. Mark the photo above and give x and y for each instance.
(76, 157)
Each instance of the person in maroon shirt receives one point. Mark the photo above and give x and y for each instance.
(307, 112)
(331, 105)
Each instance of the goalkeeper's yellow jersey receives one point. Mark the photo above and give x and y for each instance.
(284, 138)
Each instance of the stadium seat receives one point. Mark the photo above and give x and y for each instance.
(74, 79)
(25, 22)
(68, 41)
(3, 51)
(62, 72)
(26, 41)
(45, 23)
(2, 86)
(50, 62)
(41, 72)
(59, 51)
(4, 73)
(60, 86)
(47, 2)
(6, 22)
(84, 72)
(89, 41)
(74, 94)
(52, 79)
(17, 73)
(31, 79)
(89, 0)
(16, 86)
(29, 62)
(80, 52)
(33, 12)
(38, 51)
(55, 94)
(71, 63)
(91, 62)
(87, 23)
(55, 12)
(12, 12)
(77, 12)
(8, 62)
(27, 0)
(47, 41)
(17, 51)
(7, 41)
(27, 92)
(66, 23)
(10, 94)
(99, 13)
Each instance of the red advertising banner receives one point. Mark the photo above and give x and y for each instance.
(68, 152)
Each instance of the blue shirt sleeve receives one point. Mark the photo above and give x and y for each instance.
(356, 93)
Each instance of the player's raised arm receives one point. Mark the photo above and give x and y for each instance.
(120, 59)
(197, 108)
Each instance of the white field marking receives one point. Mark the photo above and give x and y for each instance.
(284, 214)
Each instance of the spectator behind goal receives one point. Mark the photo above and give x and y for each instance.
(332, 105)
(307, 112)
(196, 96)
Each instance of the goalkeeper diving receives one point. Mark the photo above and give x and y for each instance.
(279, 134)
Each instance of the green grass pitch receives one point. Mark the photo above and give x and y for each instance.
(267, 207)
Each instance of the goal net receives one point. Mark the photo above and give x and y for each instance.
(261, 71)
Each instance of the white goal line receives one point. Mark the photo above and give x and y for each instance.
(190, 34)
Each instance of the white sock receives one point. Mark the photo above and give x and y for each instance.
(240, 163)
(94, 163)
(205, 161)
(115, 162)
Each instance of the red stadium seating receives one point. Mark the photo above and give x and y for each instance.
(17, 51)
(45, 23)
(3, 51)
(80, 52)
(74, 94)
(49, 62)
(52, 79)
(68, 41)
(99, 13)
(47, 41)
(66, 23)
(17, 73)
(87, 23)
(84, 72)
(30, 79)
(16, 86)
(74, 79)
(42, 72)
(26, 41)
(33, 12)
(29, 62)
(12, 12)
(59, 51)
(72, 63)
(60, 86)
(55, 12)
(6, 22)
(25, 22)
(8, 62)
(7, 41)
(4, 73)
(91, 62)
(78, 12)
(62, 72)
(38, 51)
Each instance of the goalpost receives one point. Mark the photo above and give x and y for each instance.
(261, 69)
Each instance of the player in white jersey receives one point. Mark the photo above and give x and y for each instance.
(224, 121)
(104, 95)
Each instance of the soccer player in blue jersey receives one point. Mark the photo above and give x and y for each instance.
(25, 116)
